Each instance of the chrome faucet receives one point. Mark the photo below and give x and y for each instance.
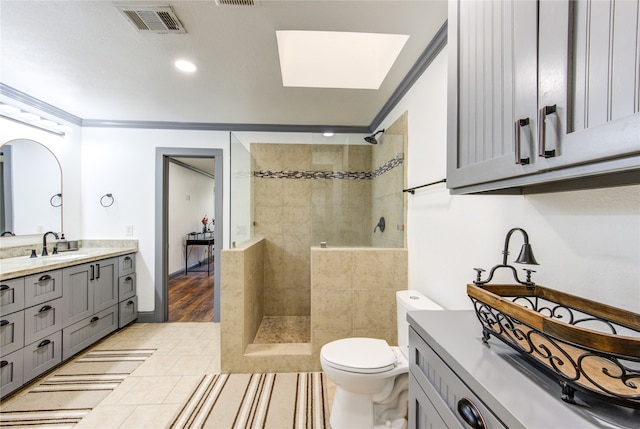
(44, 243)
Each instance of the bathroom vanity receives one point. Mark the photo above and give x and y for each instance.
(53, 307)
(452, 372)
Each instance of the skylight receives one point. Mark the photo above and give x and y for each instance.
(330, 59)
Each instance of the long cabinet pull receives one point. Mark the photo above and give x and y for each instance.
(44, 343)
(542, 131)
(517, 131)
(4, 287)
(98, 268)
(93, 273)
(470, 414)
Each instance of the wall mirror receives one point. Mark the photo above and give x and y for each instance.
(30, 189)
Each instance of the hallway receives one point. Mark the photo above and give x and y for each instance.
(191, 298)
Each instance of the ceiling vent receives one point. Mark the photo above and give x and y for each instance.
(152, 19)
(238, 2)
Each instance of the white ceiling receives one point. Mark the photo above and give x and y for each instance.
(83, 57)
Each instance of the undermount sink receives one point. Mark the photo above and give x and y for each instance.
(65, 257)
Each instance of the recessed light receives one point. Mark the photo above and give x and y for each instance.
(185, 66)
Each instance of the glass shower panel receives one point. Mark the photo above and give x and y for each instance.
(241, 194)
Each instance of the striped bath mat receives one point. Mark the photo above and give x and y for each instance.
(283, 400)
(65, 397)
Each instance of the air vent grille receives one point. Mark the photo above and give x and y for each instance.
(152, 19)
(238, 2)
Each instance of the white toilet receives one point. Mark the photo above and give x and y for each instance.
(371, 376)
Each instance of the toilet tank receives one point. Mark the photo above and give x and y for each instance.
(410, 300)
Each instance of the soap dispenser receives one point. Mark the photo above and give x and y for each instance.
(62, 244)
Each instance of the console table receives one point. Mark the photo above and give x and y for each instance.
(198, 239)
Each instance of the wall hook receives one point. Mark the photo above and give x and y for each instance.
(107, 200)
(380, 225)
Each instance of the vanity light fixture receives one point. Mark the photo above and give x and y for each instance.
(31, 119)
(327, 134)
(185, 66)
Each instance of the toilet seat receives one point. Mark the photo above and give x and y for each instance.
(359, 355)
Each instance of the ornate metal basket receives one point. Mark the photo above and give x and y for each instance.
(585, 345)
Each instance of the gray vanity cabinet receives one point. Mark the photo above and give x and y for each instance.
(541, 91)
(88, 289)
(90, 304)
(128, 301)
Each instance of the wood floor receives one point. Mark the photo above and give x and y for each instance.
(191, 298)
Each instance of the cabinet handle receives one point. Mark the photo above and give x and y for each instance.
(4, 287)
(542, 130)
(127, 258)
(518, 128)
(93, 273)
(4, 322)
(44, 343)
(4, 363)
(45, 308)
(94, 319)
(470, 414)
(130, 303)
(128, 279)
(98, 275)
(44, 278)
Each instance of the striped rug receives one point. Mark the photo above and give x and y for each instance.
(269, 401)
(65, 397)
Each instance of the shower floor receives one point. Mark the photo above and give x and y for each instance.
(284, 329)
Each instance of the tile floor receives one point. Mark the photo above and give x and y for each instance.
(152, 395)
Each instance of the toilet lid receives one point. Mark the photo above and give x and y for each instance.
(363, 355)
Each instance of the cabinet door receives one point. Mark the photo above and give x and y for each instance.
(78, 293)
(105, 293)
(595, 87)
(492, 82)
(422, 413)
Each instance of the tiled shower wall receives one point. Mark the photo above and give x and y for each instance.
(306, 194)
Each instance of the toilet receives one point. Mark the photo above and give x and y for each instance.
(371, 377)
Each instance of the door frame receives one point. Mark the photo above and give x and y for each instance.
(161, 309)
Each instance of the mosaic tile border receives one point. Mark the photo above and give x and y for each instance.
(349, 175)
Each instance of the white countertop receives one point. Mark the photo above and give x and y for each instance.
(24, 265)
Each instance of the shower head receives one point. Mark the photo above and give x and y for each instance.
(372, 138)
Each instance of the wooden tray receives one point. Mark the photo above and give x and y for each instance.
(586, 345)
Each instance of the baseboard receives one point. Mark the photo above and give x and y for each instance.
(146, 317)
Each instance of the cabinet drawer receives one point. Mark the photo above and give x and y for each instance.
(11, 373)
(127, 286)
(11, 333)
(43, 287)
(42, 320)
(128, 311)
(11, 296)
(86, 332)
(42, 355)
(433, 374)
(126, 264)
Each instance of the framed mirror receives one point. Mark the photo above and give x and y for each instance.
(30, 189)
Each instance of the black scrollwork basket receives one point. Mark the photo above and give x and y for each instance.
(585, 345)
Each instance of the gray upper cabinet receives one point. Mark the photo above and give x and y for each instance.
(541, 91)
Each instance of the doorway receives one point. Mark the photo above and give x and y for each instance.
(165, 157)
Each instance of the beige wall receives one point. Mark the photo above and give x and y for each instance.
(353, 293)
